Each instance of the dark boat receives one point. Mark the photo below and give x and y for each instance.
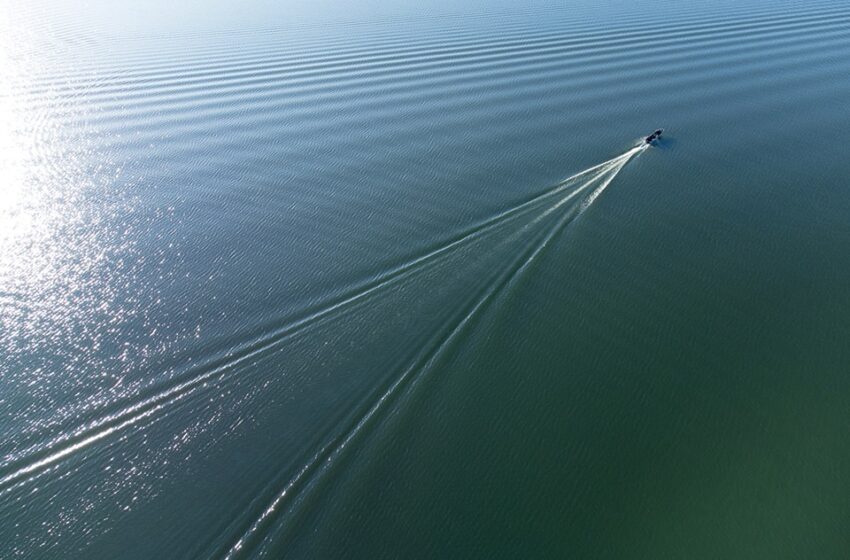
(654, 136)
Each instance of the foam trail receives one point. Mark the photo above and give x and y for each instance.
(328, 454)
(97, 430)
(613, 171)
(627, 156)
(133, 414)
(333, 448)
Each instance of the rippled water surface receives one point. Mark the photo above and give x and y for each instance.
(401, 280)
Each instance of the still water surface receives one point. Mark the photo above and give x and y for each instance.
(399, 280)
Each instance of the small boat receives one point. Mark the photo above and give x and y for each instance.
(654, 136)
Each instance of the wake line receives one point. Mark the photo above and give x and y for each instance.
(625, 159)
(133, 414)
(328, 454)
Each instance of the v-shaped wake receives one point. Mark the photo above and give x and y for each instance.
(531, 218)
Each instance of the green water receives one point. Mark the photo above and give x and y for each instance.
(401, 280)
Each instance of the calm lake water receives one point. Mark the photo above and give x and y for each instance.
(399, 280)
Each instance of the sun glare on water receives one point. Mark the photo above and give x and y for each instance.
(59, 213)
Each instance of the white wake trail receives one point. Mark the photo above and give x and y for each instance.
(22, 467)
(621, 162)
(288, 498)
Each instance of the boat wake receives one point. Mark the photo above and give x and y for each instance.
(522, 231)
(567, 201)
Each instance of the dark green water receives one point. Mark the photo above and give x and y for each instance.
(304, 281)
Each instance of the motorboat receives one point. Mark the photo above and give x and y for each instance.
(654, 136)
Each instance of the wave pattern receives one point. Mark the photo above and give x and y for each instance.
(235, 256)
